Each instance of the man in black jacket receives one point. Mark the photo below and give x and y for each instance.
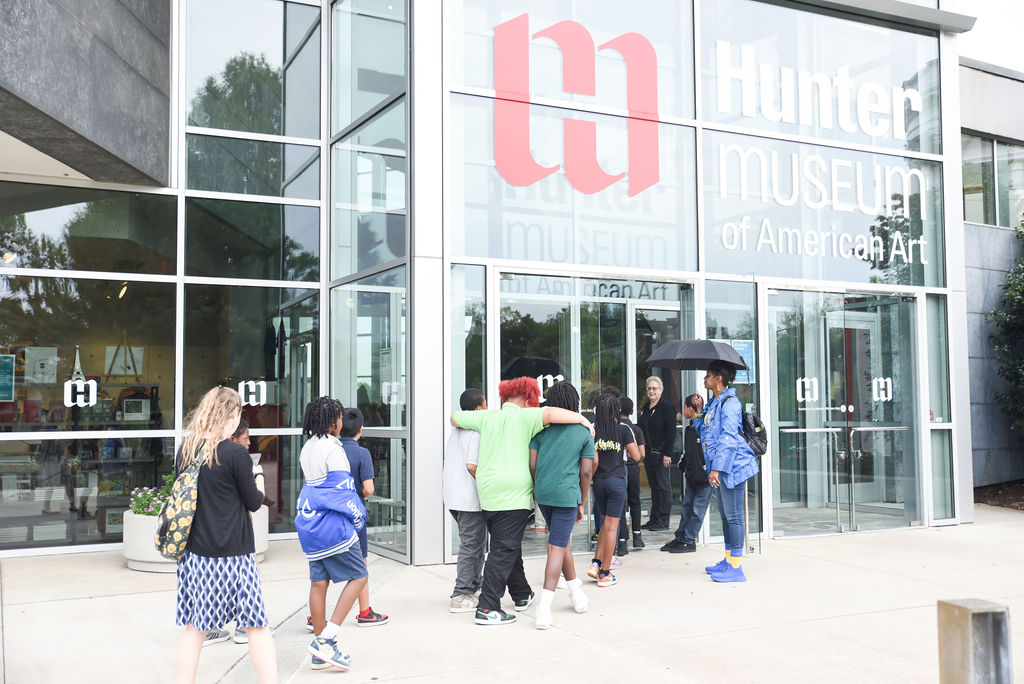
(658, 421)
(697, 495)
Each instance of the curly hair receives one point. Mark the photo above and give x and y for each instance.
(243, 427)
(321, 415)
(523, 387)
(564, 395)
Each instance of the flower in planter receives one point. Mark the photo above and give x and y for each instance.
(149, 500)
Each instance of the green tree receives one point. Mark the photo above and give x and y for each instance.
(1008, 340)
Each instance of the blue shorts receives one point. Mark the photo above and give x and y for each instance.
(341, 567)
(362, 542)
(610, 495)
(560, 522)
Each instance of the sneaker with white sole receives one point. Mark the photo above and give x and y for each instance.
(309, 623)
(241, 636)
(328, 651)
(215, 636)
(594, 569)
(485, 616)
(606, 579)
(318, 663)
(463, 603)
(720, 565)
(580, 602)
(616, 563)
(372, 620)
(523, 604)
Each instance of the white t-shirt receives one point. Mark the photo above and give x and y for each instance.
(320, 455)
(459, 488)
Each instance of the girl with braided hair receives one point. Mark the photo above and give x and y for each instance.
(561, 461)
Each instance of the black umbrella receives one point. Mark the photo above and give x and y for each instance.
(694, 355)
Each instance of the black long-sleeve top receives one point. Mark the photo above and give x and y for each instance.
(659, 426)
(227, 493)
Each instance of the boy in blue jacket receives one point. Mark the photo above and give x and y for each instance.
(329, 515)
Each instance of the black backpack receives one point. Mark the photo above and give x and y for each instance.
(753, 430)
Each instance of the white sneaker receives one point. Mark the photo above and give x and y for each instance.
(463, 603)
(616, 563)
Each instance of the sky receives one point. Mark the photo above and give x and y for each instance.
(996, 36)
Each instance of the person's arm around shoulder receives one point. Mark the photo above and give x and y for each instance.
(469, 420)
(561, 416)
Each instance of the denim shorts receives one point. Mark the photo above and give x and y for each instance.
(610, 495)
(341, 567)
(362, 542)
(560, 522)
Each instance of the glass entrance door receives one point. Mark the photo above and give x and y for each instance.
(597, 334)
(844, 410)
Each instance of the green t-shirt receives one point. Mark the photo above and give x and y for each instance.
(503, 478)
(559, 450)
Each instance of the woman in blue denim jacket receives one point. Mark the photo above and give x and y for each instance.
(730, 462)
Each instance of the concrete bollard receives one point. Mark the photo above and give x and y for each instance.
(974, 642)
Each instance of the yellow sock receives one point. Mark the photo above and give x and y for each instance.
(728, 553)
(734, 561)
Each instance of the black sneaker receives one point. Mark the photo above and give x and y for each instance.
(621, 549)
(683, 547)
(638, 542)
(647, 525)
(593, 537)
(670, 546)
(523, 604)
(485, 616)
(658, 527)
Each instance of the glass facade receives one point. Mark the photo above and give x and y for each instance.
(766, 175)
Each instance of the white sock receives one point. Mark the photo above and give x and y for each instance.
(330, 631)
(547, 597)
(575, 586)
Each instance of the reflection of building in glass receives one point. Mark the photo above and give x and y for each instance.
(304, 204)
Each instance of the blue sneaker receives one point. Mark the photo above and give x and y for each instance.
(328, 651)
(729, 574)
(720, 565)
(318, 664)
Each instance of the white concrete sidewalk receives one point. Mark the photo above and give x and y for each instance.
(855, 608)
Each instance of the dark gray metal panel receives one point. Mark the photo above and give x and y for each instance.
(87, 82)
(900, 13)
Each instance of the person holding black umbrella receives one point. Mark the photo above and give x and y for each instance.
(658, 421)
(730, 463)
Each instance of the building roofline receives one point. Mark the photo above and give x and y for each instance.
(993, 69)
(900, 13)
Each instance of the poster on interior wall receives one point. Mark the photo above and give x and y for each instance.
(41, 365)
(6, 377)
(121, 360)
(745, 348)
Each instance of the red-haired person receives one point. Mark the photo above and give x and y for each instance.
(505, 486)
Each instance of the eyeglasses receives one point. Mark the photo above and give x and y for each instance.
(652, 389)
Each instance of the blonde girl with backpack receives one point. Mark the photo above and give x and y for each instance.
(218, 581)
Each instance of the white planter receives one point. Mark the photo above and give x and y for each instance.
(261, 531)
(140, 549)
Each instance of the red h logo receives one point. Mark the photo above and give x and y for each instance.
(512, 107)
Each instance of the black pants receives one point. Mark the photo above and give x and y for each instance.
(504, 566)
(632, 502)
(661, 490)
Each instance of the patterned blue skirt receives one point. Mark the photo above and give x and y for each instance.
(214, 591)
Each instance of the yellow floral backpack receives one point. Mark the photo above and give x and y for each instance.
(175, 519)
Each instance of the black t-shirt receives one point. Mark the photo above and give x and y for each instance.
(659, 426)
(610, 452)
(227, 493)
(638, 434)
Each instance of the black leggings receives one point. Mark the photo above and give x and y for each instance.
(632, 501)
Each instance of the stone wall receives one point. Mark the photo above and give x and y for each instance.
(88, 83)
(998, 453)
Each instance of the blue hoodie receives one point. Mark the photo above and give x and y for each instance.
(329, 514)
